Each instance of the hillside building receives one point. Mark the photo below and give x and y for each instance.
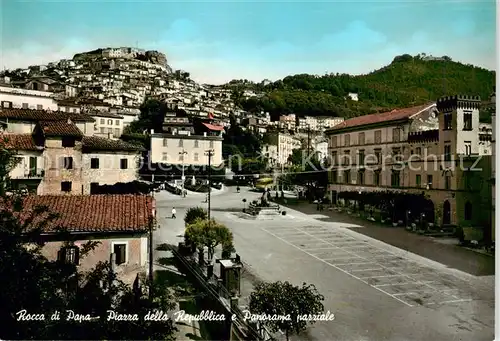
(432, 149)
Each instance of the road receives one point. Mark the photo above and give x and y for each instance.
(375, 290)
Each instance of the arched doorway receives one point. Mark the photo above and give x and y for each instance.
(446, 213)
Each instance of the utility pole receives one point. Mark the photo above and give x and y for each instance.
(308, 139)
(209, 153)
(151, 223)
(183, 152)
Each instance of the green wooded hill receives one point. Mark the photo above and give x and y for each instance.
(407, 81)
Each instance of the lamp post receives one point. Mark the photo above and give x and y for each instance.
(182, 153)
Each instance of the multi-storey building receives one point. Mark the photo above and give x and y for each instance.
(430, 148)
(493, 167)
(287, 122)
(307, 123)
(285, 144)
(187, 144)
(27, 99)
(328, 122)
(58, 153)
(108, 124)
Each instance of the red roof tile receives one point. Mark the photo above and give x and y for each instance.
(213, 127)
(93, 213)
(394, 115)
(19, 142)
(101, 143)
(60, 128)
(43, 115)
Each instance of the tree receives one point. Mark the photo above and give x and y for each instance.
(33, 283)
(210, 234)
(151, 117)
(195, 213)
(286, 300)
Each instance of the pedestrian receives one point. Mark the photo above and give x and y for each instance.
(173, 212)
(238, 189)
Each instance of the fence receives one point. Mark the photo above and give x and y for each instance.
(245, 329)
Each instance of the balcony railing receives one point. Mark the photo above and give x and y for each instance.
(30, 175)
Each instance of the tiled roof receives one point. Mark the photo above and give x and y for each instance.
(43, 115)
(60, 128)
(394, 115)
(93, 213)
(18, 141)
(101, 143)
(104, 114)
(213, 127)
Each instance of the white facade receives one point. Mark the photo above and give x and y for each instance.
(329, 122)
(110, 168)
(321, 148)
(109, 126)
(168, 149)
(27, 99)
(30, 165)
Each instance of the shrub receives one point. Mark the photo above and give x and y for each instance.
(195, 213)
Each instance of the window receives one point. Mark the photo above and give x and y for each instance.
(39, 107)
(447, 121)
(66, 186)
(468, 211)
(378, 156)
(120, 251)
(376, 178)
(467, 120)
(94, 163)
(181, 157)
(6, 104)
(117, 122)
(447, 152)
(110, 130)
(447, 181)
(117, 132)
(32, 165)
(69, 255)
(103, 121)
(378, 136)
(181, 143)
(334, 158)
(418, 151)
(67, 162)
(102, 130)
(123, 163)
(396, 135)
(347, 176)
(347, 140)
(195, 156)
(26, 106)
(429, 181)
(164, 157)
(93, 187)
(334, 177)
(361, 157)
(165, 143)
(197, 144)
(211, 144)
(395, 179)
(468, 147)
(68, 142)
(361, 138)
(396, 151)
(347, 158)
(334, 141)
(418, 180)
(361, 178)
(110, 122)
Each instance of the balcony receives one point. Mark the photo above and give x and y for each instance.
(28, 175)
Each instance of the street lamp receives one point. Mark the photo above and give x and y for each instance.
(182, 153)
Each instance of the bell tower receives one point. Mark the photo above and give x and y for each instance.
(459, 125)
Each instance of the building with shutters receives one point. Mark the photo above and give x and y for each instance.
(432, 149)
(120, 223)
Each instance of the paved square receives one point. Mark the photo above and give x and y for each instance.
(402, 279)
